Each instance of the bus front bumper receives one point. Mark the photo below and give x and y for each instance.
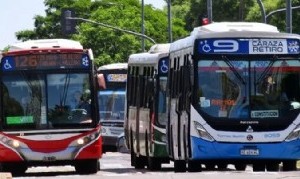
(203, 150)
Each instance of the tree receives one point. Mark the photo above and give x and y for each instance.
(108, 45)
(223, 10)
(278, 19)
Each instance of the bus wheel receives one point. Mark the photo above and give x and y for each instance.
(222, 166)
(289, 165)
(139, 162)
(179, 166)
(154, 164)
(210, 166)
(194, 166)
(272, 166)
(87, 166)
(240, 167)
(132, 156)
(259, 167)
(15, 171)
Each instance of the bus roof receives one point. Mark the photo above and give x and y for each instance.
(113, 66)
(235, 26)
(159, 48)
(46, 43)
(156, 52)
(230, 30)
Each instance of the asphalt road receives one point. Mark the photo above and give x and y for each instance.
(117, 165)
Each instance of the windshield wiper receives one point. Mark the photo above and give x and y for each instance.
(232, 68)
(265, 72)
(65, 89)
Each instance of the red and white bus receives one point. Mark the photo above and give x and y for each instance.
(40, 123)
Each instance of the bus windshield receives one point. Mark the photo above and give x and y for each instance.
(112, 104)
(39, 101)
(242, 89)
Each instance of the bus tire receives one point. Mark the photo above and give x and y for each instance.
(259, 166)
(179, 166)
(289, 165)
(272, 167)
(194, 166)
(240, 167)
(15, 171)
(222, 166)
(154, 164)
(210, 166)
(139, 162)
(132, 154)
(89, 166)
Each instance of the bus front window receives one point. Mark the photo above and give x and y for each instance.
(275, 88)
(223, 88)
(24, 101)
(249, 89)
(112, 104)
(69, 100)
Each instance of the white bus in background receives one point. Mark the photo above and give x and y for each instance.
(146, 114)
(111, 99)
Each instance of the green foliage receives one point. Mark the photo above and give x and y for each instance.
(115, 46)
(107, 44)
(223, 10)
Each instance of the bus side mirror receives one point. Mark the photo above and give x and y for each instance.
(101, 81)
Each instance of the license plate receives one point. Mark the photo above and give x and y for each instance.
(249, 152)
(49, 158)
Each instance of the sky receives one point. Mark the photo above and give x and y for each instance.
(16, 15)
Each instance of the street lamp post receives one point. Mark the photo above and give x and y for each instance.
(288, 16)
(67, 17)
(169, 21)
(263, 11)
(143, 27)
(209, 10)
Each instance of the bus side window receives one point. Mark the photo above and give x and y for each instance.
(150, 89)
(135, 86)
(143, 82)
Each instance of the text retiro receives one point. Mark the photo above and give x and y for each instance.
(267, 46)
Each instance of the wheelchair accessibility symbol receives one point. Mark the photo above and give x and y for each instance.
(7, 65)
(206, 48)
(164, 68)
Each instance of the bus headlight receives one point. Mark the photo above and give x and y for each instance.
(202, 132)
(14, 143)
(80, 141)
(87, 139)
(295, 134)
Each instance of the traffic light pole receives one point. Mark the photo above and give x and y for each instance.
(112, 27)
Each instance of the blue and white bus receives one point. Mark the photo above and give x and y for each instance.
(234, 98)
(111, 97)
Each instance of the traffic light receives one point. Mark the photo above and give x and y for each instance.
(68, 25)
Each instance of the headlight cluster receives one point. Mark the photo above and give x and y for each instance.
(202, 132)
(10, 142)
(295, 134)
(87, 139)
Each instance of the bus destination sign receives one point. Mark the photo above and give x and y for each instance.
(249, 46)
(45, 61)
